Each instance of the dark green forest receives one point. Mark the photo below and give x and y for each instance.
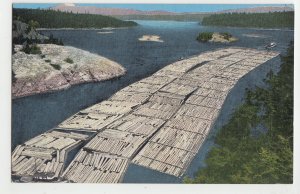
(57, 19)
(173, 17)
(258, 20)
(256, 145)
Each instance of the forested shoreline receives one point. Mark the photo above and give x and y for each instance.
(257, 20)
(256, 145)
(58, 19)
(174, 17)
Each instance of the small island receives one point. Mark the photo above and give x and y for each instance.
(151, 38)
(221, 37)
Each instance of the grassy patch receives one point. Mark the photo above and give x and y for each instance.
(69, 60)
(56, 66)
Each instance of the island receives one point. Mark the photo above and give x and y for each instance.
(221, 37)
(150, 38)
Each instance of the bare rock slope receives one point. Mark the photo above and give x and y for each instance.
(58, 67)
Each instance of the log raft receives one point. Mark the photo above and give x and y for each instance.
(159, 122)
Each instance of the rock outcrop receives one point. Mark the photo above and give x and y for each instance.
(58, 67)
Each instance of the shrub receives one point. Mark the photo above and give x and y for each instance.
(52, 40)
(48, 61)
(226, 35)
(69, 60)
(56, 66)
(31, 49)
(204, 36)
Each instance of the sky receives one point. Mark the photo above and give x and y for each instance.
(166, 7)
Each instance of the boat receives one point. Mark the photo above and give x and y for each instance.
(271, 45)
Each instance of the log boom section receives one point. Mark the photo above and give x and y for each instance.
(159, 122)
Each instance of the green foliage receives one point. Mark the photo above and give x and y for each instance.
(53, 40)
(57, 19)
(260, 20)
(56, 66)
(180, 17)
(31, 49)
(69, 60)
(204, 36)
(48, 61)
(33, 24)
(268, 158)
(226, 35)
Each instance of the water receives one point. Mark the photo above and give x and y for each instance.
(35, 114)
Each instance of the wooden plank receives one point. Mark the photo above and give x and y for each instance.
(72, 135)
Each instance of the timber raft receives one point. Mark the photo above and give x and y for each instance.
(159, 122)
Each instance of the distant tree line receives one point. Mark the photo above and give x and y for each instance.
(256, 145)
(259, 20)
(58, 19)
(173, 17)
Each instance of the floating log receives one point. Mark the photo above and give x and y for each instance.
(159, 122)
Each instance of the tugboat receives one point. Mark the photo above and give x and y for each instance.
(270, 45)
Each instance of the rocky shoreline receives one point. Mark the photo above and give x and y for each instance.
(57, 68)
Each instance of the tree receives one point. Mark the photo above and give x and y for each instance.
(33, 24)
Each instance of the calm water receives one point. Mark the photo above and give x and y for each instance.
(36, 114)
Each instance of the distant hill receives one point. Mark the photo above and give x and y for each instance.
(106, 11)
(133, 14)
(258, 10)
(68, 7)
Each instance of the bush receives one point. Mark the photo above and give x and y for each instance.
(48, 61)
(31, 49)
(53, 40)
(204, 36)
(226, 35)
(56, 66)
(69, 60)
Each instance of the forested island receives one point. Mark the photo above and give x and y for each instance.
(257, 20)
(256, 145)
(222, 37)
(58, 19)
